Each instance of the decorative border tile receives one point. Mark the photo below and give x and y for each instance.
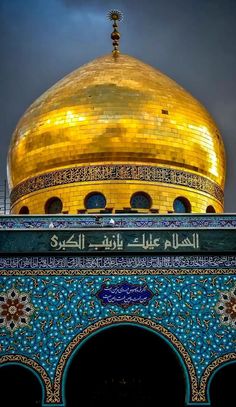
(137, 221)
(67, 311)
(95, 265)
(66, 272)
(117, 172)
(202, 393)
(54, 390)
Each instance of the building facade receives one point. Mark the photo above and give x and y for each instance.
(117, 176)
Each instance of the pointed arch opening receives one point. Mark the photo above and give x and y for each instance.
(221, 391)
(20, 386)
(125, 365)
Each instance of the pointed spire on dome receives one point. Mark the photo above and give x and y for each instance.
(115, 16)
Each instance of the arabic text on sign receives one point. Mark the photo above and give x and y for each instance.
(115, 242)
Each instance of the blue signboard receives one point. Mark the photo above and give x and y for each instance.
(124, 294)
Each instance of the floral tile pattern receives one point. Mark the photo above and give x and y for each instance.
(226, 307)
(15, 309)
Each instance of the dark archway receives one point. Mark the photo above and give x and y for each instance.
(24, 210)
(222, 392)
(127, 366)
(19, 387)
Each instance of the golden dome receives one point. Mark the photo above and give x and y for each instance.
(117, 126)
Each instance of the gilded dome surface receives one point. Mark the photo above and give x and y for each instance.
(114, 111)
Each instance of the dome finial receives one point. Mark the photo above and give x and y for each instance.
(115, 16)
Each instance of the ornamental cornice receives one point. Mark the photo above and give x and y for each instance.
(117, 173)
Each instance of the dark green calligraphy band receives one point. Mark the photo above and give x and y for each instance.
(111, 240)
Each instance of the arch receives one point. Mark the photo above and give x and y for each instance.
(53, 205)
(176, 345)
(181, 205)
(127, 365)
(95, 200)
(210, 209)
(209, 373)
(24, 210)
(36, 369)
(140, 200)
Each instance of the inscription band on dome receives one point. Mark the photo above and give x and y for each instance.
(117, 172)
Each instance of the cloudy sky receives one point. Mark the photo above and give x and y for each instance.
(192, 41)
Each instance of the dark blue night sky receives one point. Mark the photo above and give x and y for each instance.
(192, 41)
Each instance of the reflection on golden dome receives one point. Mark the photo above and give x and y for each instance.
(117, 126)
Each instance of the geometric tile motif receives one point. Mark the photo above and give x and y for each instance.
(67, 305)
(15, 309)
(226, 307)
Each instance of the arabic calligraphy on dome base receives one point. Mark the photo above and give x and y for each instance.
(117, 172)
